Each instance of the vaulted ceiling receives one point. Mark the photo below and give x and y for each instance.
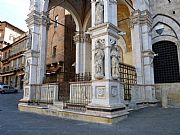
(82, 7)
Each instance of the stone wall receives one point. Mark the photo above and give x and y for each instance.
(168, 94)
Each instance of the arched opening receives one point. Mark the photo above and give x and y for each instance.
(123, 14)
(166, 63)
(61, 49)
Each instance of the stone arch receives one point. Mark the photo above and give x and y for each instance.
(123, 15)
(129, 4)
(125, 41)
(162, 38)
(160, 18)
(87, 21)
(66, 5)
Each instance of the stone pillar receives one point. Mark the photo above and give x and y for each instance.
(83, 53)
(107, 90)
(36, 51)
(178, 50)
(87, 54)
(142, 52)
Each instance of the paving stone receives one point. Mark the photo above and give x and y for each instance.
(148, 121)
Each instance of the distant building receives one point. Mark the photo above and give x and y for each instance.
(13, 62)
(8, 33)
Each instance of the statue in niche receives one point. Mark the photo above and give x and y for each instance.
(29, 43)
(99, 59)
(99, 13)
(115, 61)
(26, 76)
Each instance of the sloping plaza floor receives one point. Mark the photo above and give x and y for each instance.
(148, 121)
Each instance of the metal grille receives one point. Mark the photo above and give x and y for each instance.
(76, 95)
(166, 66)
(128, 78)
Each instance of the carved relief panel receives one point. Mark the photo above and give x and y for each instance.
(115, 60)
(99, 10)
(99, 56)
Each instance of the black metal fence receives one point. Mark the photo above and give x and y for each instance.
(128, 78)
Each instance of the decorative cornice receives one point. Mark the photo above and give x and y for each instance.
(104, 29)
(141, 17)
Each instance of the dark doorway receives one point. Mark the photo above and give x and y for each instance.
(166, 65)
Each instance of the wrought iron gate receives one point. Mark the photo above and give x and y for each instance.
(128, 78)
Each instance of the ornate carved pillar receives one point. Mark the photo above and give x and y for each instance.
(83, 52)
(142, 52)
(36, 51)
(107, 90)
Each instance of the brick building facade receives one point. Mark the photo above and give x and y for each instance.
(60, 56)
(13, 62)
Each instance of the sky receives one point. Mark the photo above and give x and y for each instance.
(15, 12)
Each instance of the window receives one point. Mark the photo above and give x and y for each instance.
(11, 37)
(56, 21)
(54, 51)
(166, 65)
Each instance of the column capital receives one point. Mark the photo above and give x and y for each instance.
(82, 37)
(140, 18)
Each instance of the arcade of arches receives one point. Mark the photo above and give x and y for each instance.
(122, 44)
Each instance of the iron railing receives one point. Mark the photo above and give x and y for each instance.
(43, 94)
(128, 79)
(76, 95)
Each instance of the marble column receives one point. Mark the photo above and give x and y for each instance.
(35, 54)
(83, 52)
(107, 90)
(142, 53)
